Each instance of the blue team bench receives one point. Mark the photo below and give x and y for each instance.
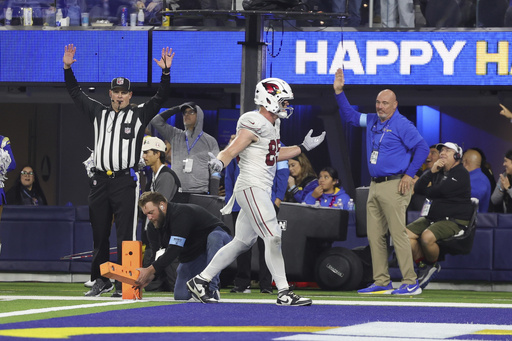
(34, 239)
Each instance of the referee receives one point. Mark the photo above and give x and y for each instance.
(118, 134)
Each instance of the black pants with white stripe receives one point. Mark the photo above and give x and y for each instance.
(111, 200)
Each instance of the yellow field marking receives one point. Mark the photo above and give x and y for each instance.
(494, 332)
(66, 332)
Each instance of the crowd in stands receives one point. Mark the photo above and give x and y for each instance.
(386, 13)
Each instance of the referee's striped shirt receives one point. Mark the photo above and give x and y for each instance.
(117, 136)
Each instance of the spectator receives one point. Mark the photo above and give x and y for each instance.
(417, 200)
(505, 112)
(329, 191)
(447, 213)
(163, 179)
(220, 5)
(397, 11)
(395, 151)
(27, 190)
(190, 148)
(243, 262)
(187, 232)
(480, 185)
(152, 11)
(257, 144)
(503, 192)
(491, 13)
(7, 163)
(302, 179)
(487, 170)
(353, 8)
(165, 182)
(119, 131)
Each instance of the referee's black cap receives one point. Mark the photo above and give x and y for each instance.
(120, 83)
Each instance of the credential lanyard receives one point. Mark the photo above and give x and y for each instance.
(193, 144)
(384, 130)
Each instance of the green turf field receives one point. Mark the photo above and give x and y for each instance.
(28, 301)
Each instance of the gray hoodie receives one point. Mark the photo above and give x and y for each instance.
(200, 179)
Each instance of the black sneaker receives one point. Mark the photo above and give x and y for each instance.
(239, 290)
(117, 293)
(266, 291)
(422, 270)
(288, 297)
(99, 288)
(198, 288)
(426, 273)
(215, 295)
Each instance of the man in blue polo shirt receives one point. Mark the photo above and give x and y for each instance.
(395, 152)
(480, 184)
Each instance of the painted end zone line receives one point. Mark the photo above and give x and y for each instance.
(390, 303)
(47, 310)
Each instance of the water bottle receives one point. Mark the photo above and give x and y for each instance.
(165, 19)
(8, 16)
(58, 17)
(140, 18)
(350, 205)
(27, 16)
(124, 15)
(339, 203)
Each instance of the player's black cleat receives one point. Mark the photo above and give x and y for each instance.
(198, 288)
(288, 297)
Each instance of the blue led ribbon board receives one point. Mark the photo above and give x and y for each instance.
(402, 58)
(215, 57)
(36, 55)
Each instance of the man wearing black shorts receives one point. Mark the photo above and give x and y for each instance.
(446, 211)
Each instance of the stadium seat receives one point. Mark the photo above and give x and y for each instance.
(463, 243)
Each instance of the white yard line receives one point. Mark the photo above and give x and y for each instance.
(47, 310)
(265, 301)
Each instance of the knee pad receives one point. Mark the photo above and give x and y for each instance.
(272, 241)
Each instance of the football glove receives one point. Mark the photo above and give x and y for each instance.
(312, 142)
(214, 163)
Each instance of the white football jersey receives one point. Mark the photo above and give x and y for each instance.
(258, 161)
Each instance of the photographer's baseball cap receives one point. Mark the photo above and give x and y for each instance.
(151, 142)
(188, 105)
(120, 83)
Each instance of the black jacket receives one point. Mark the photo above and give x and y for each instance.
(450, 193)
(188, 221)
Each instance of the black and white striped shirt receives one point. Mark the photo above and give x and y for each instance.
(117, 136)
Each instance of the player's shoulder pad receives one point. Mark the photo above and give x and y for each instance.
(252, 121)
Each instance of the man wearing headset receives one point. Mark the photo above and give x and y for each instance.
(187, 232)
(447, 209)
